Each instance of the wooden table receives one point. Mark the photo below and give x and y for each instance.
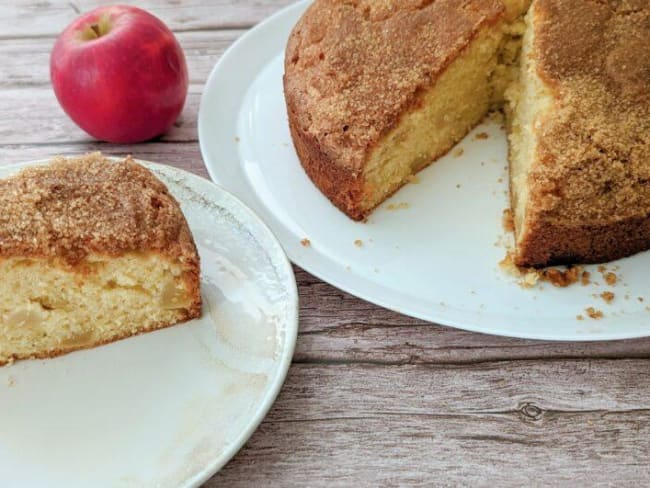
(373, 398)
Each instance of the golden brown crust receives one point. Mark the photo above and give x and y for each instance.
(590, 183)
(549, 244)
(353, 68)
(185, 316)
(78, 206)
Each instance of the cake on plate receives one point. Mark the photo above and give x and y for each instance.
(91, 251)
(376, 90)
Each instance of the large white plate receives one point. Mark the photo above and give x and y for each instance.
(168, 408)
(438, 258)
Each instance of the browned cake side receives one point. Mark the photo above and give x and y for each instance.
(589, 186)
(354, 68)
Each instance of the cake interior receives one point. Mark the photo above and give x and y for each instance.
(473, 84)
(48, 308)
(529, 101)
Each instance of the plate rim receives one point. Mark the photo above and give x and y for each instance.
(293, 319)
(305, 262)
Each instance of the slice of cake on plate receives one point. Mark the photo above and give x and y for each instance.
(91, 251)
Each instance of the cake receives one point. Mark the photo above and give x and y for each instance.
(91, 251)
(580, 133)
(378, 89)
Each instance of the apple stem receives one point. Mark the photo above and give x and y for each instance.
(95, 29)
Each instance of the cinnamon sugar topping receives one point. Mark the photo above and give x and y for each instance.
(73, 207)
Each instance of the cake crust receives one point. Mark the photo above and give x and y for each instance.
(589, 187)
(90, 205)
(354, 68)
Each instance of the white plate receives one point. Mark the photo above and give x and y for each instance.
(438, 258)
(168, 408)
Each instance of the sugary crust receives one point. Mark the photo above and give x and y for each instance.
(90, 205)
(343, 187)
(75, 207)
(589, 197)
(353, 68)
(185, 316)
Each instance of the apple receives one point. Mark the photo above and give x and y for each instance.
(120, 74)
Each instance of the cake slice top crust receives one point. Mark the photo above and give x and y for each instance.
(352, 67)
(594, 147)
(74, 207)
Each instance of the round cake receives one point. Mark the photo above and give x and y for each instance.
(376, 90)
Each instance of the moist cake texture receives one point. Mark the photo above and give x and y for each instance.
(378, 89)
(91, 251)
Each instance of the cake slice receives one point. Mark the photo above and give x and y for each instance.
(580, 133)
(376, 90)
(91, 251)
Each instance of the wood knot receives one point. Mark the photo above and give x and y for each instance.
(530, 411)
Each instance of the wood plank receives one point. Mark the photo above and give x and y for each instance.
(34, 116)
(181, 155)
(505, 423)
(338, 327)
(27, 18)
(25, 62)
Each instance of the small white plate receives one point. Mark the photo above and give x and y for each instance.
(171, 407)
(435, 255)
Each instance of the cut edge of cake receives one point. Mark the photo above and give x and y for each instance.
(478, 73)
(52, 304)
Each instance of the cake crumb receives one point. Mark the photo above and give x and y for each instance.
(237, 139)
(398, 206)
(594, 314)
(458, 185)
(608, 296)
(458, 152)
(305, 242)
(560, 278)
(11, 381)
(610, 278)
(579, 317)
(585, 279)
(602, 269)
(358, 243)
(640, 299)
(482, 136)
(531, 276)
(508, 220)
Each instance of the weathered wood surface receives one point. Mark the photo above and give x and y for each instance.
(374, 398)
(41, 18)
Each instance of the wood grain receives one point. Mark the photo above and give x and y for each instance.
(26, 61)
(373, 398)
(33, 18)
(504, 424)
(43, 121)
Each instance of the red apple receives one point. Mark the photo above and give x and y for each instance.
(120, 74)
